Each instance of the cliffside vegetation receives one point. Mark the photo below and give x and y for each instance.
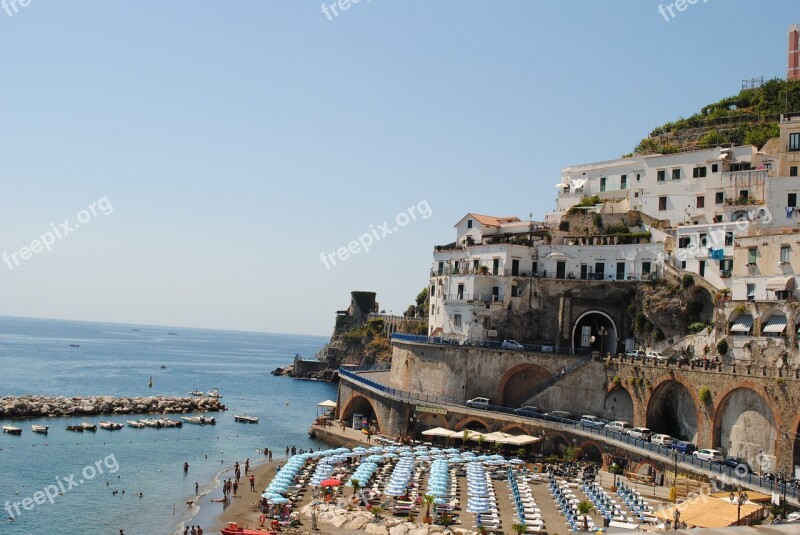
(750, 118)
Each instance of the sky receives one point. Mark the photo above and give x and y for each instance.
(208, 164)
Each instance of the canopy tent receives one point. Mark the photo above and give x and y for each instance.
(781, 284)
(710, 513)
(775, 324)
(328, 404)
(524, 440)
(438, 432)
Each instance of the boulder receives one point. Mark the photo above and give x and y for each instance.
(399, 529)
(376, 529)
(357, 522)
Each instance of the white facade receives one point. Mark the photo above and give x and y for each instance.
(629, 262)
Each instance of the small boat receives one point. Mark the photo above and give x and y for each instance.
(233, 529)
(172, 333)
(151, 422)
(196, 393)
(199, 420)
(74, 345)
(76, 428)
(111, 426)
(41, 429)
(135, 330)
(169, 422)
(136, 424)
(214, 393)
(12, 430)
(246, 418)
(163, 366)
(88, 427)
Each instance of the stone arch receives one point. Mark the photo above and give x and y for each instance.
(592, 451)
(471, 422)
(746, 422)
(515, 427)
(795, 450)
(594, 320)
(554, 442)
(361, 404)
(518, 382)
(645, 468)
(618, 405)
(672, 408)
(429, 420)
(700, 306)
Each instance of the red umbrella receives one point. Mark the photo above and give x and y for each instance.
(331, 482)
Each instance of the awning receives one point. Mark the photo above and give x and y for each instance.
(562, 185)
(781, 284)
(775, 324)
(742, 323)
(438, 432)
(524, 440)
(328, 404)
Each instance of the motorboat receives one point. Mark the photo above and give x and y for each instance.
(199, 420)
(76, 428)
(41, 429)
(88, 427)
(74, 345)
(169, 422)
(197, 393)
(172, 334)
(151, 422)
(136, 424)
(234, 529)
(12, 430)
(111, 426)
(163, 366)
(214, 393)
(246, 418)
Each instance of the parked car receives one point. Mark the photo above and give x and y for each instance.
(594, 422)
(640, 432)
(558, 416)
(684, 447)
(478, 403)
(636, 354)
(527, 411)
(512, 344)
(709, 455)
(547, 348)
(661, 440)
(658, 356)
(680, 360)
(740, 465)
(619, 426)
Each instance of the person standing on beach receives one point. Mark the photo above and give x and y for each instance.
(252, 483)
(186, 530)
(196, 488)
(287, 451)
(270, 455)
(235, 487)
(247, 466)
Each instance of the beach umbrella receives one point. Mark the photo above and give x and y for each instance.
(435, 493)
(278, 499)
(453, 450)
(439, 501)
(331, 482)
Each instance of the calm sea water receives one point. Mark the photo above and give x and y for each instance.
(114, 359)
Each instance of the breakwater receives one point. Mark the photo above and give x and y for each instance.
(51, 406)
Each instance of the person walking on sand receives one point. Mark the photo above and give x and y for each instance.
(196, 488)
(252, 483)
(186, 530)
(199, 530)
(247, 466)
(235, 487)
(270, 455)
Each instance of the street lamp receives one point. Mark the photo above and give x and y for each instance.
(602, 332)
(740, 500)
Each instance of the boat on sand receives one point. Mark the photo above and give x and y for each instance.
(234, 529)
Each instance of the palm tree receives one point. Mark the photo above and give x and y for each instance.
(354, 481)
(429, 498)
(519, 528)
(584, 508)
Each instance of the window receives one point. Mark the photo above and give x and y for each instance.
(714, 167)
(457, 266)
(469, 223)
(623, 182)
(645, 268)
(495, 266)
(701, 201)
(791, 200)
(785, 254)
(703, 239)
(752, 252)
(676, 174)
(620, 271)
(476, 264)
(744, 194)
(794, 142)
(729, 238)
(662, 203)
(433, 310)
(661, 175)
(638, 177)
(515, 291)
(683, 264)
(699, 172)
(603, 184)
(456, 320)
(441, 268)
(751, 291)
(719, 197)
(684, 242)
(726, 265)
(460, 293)
(793, 170)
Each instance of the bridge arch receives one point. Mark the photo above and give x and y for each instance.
(429, 420)
(591, 451)
(521, 430)
(618, 405)
(518, 382)
(359, 404)
(588, 325)
(473, 423)
(745, 422)
(672, 408)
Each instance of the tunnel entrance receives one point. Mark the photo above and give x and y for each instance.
(672, 412)
(744, 426)
(595, 331)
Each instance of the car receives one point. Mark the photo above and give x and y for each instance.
(512, 344)
(587, 420)
(640, 432)
(528, 411)
(636, 354)
(619, 426)
(558, 416)
(661, 440)
(713, 456)
(684, 447)
(658, 356)
(546, 348)
(680, 360)
(478, 403)
(740, 465)
(792, 518)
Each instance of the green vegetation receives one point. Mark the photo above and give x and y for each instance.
(585, 203)
(696, 327)
(687, 280)
(564, 225)
(704, 394)
(751, 118)
(423, 303)
(658, 335)
(616, 381)
(722, 347)
(584, 508)
(597, 219)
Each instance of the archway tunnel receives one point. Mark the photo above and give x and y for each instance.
(594, 331)
(672, 411)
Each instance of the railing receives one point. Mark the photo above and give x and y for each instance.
(485, 298)
(752, 174)
(470, 270)
(382, 367)
(489, 344)
(613, 437)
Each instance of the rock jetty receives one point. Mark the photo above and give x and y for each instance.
(38, 406)
(356, 520)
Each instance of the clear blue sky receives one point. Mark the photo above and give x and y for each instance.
(238, 140)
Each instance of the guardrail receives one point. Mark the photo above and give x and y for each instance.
(643, 446)
(489, 344)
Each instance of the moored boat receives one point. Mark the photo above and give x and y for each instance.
(234, 529)
(12, 430)
(151, 422)
(76, 428)
(41, 429)
(214, 393)
(198, 393)
(110, 426)
(246, 418)
(88, 427)
(136, 424)
(199, 420)
(169, 422)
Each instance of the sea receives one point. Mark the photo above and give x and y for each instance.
(100, 476)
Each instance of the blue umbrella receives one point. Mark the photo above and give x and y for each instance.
(278, 499)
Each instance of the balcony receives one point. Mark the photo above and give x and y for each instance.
(469, 270)
(753, 175)
(480, 297)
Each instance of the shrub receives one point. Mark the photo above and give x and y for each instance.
(722, 347)
(658, 335)
(564, 225)
(616, 381)
(740, 309)
(687, 280)
(704, 394)
(597, 219)
(696, 327)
